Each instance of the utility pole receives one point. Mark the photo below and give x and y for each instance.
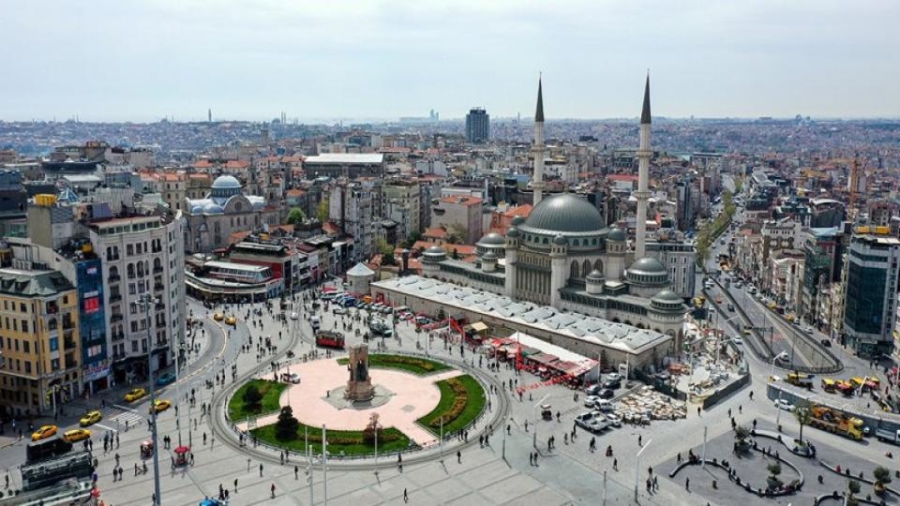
(148, 301)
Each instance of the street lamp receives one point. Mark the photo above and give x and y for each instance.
(148, 301)
(534, 417)
(637, 469)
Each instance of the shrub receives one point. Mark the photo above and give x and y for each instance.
(459, 403)
(252, 397)
(882, 474)
(286, 427)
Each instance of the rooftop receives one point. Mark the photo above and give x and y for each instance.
(576, 325)
(345, 158)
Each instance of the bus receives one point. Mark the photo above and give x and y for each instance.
(46, 448)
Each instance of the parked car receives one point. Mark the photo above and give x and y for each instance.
(591, 401)
(592, 421)
(339, 310)
(614, 419)
(613, 376)
(294, 316)
(593, 389)
(606, 393)
(826, 343)
(165, 379)
(605, 406)
(612, 384)
(784, 404)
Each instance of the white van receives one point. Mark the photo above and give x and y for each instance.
(315, 323)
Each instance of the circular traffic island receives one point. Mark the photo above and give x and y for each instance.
(402, 401)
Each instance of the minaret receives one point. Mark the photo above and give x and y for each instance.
(537, 182)
(643, 194)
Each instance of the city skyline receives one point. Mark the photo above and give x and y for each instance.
(384, 60)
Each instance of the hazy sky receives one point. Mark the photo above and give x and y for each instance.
(143, 60)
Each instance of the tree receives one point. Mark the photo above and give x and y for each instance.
(287, 426)
(372, 428)
(774, 470)
(414, 237)
(803, 414)
(741, 434)
(296, 216)
(322, 211)
(252, 398)
(882, 478)
(454, 254)
(852, 488)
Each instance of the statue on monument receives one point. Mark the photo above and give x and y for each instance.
(359, 387)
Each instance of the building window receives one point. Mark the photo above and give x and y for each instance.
(129, 250)
(25, 326)
(27, 367)
(134, 347)
(54, 343)
(26, 346)
(54, 364)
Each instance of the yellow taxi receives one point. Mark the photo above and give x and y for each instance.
(161, 405)
(44, 432)
(91, 418)
(75, 435)
(218, 317)
(135, 394)
(231, 320)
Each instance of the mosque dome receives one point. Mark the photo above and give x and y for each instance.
(559, 240)
(517, 221)
(616, 234)
(647, 271)
(595, 276)
(214, 209)
(564, 213)
(512, 232)
(667, 300)
(226, 183)
(490, 255)
(434, 254)
(492, 239)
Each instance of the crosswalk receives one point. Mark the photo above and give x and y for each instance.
(127, 418)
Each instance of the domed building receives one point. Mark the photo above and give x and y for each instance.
(224, 211)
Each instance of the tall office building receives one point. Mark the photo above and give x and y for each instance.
(478, 126)
(871, 294)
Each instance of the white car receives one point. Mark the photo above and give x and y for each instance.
(783, 404)
(738, 340)
(294, 316)
(614, 419)
(591, 401)
(613, 376)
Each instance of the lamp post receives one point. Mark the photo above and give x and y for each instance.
(637, 469)
(534, 417)
(148, 302)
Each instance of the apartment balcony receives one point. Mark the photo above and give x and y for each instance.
(52, 324)
(69, 334)
(118, 336)
(159, 286)
(158, 269)
(71, 362)
(162, 343)
(116, 317)
(160, 306)
(118, 356)
(114, 278)
(69, 344)
(68, 325)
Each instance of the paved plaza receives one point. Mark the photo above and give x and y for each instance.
(409, 397)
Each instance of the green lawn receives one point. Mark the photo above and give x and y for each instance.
(350, 442)
(413, 365)
(474, 403)
(271, 393)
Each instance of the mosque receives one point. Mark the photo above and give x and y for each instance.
(564, 256)
(226, 210)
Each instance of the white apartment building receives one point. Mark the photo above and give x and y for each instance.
(350, 206)
(142, 256)
(403, 204)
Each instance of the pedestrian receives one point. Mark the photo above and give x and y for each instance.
(751, 395)
(655, 483)
(296, 473)
(740, 409)
(135, 468)
(530, 458)
(235, 485)
(273, 491)
(615, 464)
(640, 440)
(687, 484)
(698, 410)
(508, 429)
(260, 469)
(729, 412)
(458, 457)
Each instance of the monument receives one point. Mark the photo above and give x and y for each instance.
(359, 387)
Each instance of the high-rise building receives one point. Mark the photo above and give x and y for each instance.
(478, 126)
(872, 270)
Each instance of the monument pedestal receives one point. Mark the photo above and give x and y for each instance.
(359, 386)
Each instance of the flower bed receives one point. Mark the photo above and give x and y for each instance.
(462, 400)
(271, 396)
(346, 442)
